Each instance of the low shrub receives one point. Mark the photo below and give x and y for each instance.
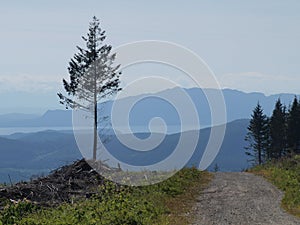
(112, 205)
(285, 174)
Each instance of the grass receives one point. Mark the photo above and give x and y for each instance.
(285, 174)
(180, 205)
(164, 203)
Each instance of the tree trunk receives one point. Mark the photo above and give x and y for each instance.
(259, 151)
(95, 133)
(259, 157)
(95, 116)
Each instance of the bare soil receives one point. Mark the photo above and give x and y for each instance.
(241, 198)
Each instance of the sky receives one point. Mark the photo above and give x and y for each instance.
(252, 46)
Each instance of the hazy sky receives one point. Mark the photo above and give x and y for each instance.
(250, 45)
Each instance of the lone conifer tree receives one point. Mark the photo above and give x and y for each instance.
(278, 126)
(258, 135)
(92, 76)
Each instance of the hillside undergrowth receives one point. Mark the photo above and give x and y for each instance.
(163, 203)
(285, 174)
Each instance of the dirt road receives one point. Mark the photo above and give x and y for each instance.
(241, 199)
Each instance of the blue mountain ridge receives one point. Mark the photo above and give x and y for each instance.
(28, 154)
(239, 105)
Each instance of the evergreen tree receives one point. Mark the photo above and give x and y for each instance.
(92, 76)
(258, 136)
(293, 130)
(278, 131)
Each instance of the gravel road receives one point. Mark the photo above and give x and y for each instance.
(240, 199)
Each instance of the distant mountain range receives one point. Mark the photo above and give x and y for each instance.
(239, 105)
(52, 118)
(27, 154)
(24, 155)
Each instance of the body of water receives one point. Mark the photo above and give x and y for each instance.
(12, 130)
(135, 129)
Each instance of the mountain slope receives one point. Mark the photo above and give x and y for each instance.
(33, 153)
(239, 105)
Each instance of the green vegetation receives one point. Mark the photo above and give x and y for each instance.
(163, 203)
(257, 136)
(274, 144)
(285, 174)
(274, 137)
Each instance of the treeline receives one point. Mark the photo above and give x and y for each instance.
(275, 136)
